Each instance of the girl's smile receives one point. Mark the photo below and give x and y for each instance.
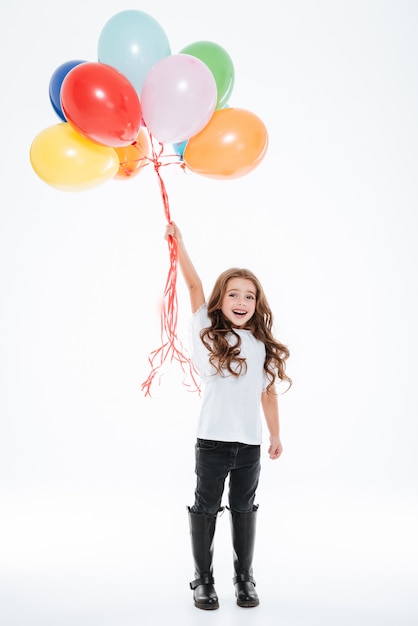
(238, 303)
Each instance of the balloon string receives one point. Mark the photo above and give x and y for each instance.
(171, 347)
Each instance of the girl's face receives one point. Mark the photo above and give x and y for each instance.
(238, 303)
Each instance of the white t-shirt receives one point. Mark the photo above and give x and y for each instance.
(231, 406)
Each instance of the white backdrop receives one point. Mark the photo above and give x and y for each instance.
(95, 477)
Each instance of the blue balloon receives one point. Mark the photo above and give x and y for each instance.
(132, 42)
(179, 147)
(55, 83)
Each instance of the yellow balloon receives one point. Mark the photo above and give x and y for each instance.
(67, 161)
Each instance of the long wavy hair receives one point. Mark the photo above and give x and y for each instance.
(223, 355)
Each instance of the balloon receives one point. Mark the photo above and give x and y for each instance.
(101, 104)
(55, 86)
(132, 42)
(133, 158)
(68, 161)
(220, 64)
(178, 98)
(231, 145)
(179, 148)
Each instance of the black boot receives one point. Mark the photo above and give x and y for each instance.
(243, 526)
(202, 530)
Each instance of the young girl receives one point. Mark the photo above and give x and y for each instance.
(239, 362)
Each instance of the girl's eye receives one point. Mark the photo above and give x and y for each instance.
(250, 297)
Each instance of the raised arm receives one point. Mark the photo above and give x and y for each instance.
(188, 270)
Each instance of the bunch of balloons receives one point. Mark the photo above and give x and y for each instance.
(138, 92)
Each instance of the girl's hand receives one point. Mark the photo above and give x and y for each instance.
(173, 230)
(275, 448)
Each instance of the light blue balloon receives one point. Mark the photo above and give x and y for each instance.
(179, 147)
(132, 42)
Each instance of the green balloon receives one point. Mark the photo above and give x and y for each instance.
(220, 64)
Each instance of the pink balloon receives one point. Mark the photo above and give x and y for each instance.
(178, 98)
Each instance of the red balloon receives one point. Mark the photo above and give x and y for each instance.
(101, 104)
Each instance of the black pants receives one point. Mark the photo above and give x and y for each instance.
(214, 461)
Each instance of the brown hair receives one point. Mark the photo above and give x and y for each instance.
(222, 355)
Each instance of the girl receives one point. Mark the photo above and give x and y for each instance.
(239, 362)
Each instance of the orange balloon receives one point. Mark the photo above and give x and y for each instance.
(232, 144)
(133, 158)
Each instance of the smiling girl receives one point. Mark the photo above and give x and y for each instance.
(239, 362)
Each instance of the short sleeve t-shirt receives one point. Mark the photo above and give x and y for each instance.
(231, 406)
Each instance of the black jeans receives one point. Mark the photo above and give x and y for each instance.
(214, 461)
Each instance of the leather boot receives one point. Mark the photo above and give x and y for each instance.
(243, 527)
(202, 530)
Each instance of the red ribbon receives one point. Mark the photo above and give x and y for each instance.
(171, 347)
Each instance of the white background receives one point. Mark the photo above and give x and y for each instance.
(94, 477)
